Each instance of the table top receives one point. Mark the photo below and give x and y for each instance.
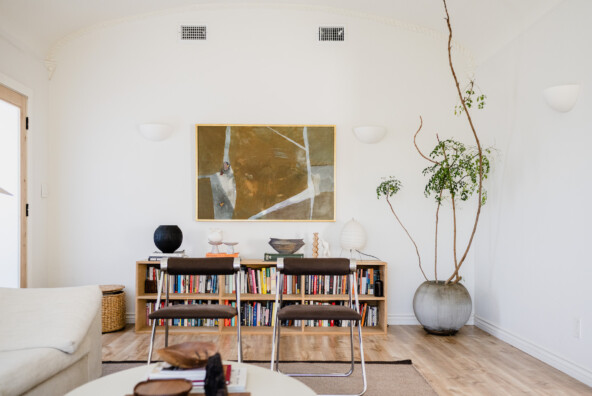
(260, 382)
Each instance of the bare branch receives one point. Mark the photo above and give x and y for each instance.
(455, 274)
(415, 143)
(409, 235)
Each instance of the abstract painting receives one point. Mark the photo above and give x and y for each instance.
(265, 172)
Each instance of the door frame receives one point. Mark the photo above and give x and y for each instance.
(19, 100)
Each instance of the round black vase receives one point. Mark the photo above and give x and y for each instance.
(168, 238)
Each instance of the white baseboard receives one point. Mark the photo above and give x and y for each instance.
(572, 369)
(409, 319)
(130, 317)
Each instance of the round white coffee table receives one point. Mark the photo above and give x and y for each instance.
(260, 382)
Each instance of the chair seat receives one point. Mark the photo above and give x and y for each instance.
(318, 312)
(191, 311)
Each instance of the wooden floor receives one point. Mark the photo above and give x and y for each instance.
(469, 363)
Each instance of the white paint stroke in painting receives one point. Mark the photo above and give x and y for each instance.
(309, 193)
(287, 138)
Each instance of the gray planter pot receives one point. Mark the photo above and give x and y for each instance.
(442, 309)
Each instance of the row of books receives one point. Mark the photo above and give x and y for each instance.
(236, 377)
(151, 307)
(257, 314)
(187, 283)
(262, 281)
(337, 284)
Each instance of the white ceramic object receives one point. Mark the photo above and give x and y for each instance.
(353, 236)
(562, 98)
(155, 132)
(215, 235)
(369, 134)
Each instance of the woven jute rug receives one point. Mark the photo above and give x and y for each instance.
(384, 378)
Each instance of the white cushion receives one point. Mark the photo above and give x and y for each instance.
(47, 318)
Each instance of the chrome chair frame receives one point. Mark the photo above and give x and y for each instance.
(162, 274)
(351, 281)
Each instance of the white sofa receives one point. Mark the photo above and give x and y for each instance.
(50, 339)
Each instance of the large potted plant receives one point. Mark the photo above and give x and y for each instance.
(455, 174)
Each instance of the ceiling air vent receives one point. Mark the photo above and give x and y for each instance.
(331, 33)
(192, 32)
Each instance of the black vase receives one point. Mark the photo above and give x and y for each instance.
(168, 238)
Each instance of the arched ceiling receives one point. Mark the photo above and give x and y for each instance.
(483, 26)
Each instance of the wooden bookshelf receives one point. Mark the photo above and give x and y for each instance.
(221, 297)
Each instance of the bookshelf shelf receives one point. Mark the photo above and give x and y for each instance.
(379, 304)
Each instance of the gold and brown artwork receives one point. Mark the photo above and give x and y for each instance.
(265, 172)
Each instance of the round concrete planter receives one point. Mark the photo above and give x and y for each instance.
(442, 309)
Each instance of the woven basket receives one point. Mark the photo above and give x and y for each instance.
(113, 308)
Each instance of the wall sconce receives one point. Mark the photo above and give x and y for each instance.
(3, 191)
(562, 98)
(369, 134)
(155, 132)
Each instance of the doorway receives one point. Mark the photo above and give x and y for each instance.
(13, 188)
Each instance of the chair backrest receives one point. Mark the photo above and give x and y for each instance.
(316, 266)
(200, 266)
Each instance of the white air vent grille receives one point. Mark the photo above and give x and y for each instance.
(191, 32)
(331, 33)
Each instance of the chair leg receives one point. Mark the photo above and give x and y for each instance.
(152, 340)
(347, 374)
(362, 358)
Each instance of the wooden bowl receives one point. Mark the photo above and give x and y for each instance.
(169, 387)
(188, 354)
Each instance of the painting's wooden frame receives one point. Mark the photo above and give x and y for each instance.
(325, 207)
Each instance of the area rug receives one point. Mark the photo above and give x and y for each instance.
(384, 378)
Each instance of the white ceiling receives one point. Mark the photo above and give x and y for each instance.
(483, 26)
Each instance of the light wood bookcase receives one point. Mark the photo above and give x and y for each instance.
(142, 298)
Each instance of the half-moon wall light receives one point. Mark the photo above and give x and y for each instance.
(155, 131)
(369, 134)
(562, 98)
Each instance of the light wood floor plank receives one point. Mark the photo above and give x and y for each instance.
(470, 363)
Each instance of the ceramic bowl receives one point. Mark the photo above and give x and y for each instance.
(286, 246)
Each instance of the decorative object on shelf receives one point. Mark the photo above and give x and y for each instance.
(215, 239)
(562, 98)
(286, 246)
(277, 164)
(215, 382)
(168, 238)
(442, 308)
(155, 131)
(369, 134)
(378, 288)
(456, 172)
(353, 236)
(315, 245)
(230, 247)
(188, 355)
(325, 248)
(171, 387)
(3, 191)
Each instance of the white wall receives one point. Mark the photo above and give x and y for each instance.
(110, 189)
(533, 260)
(22, 72)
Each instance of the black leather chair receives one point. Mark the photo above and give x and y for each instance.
(322, 266)
(196, 266)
